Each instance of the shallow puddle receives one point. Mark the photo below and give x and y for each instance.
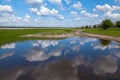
(73, 58)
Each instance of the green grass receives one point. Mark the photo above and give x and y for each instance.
(115, 32)
(7, 36)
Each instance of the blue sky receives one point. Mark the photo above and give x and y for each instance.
(57, 13)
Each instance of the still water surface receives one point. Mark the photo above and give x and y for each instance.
(73, 58)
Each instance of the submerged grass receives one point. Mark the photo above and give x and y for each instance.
(8, 36)
(114, 32)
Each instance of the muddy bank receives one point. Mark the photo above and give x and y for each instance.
(47, 36)
(98, 36)
(75, 33)
(101, 37)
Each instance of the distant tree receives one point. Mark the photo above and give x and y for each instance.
(94, 26)
(86, 26)
(107, 23)
(82, 27)
(117, 23)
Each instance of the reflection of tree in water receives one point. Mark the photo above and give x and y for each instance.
(104, 42)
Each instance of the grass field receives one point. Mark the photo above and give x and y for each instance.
(13, 35)
(7, 36)
(115, 32)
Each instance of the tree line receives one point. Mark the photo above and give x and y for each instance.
(107, 23)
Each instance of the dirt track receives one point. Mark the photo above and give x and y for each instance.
(75, 33)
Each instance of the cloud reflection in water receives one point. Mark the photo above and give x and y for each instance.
(9, 46)
(45, 43)
(74, 62)
(6, 55)
(37, 54)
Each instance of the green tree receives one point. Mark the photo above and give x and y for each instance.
(117, 24)
(94, 26)
(82, 27)
(106, 24)
(86, 26)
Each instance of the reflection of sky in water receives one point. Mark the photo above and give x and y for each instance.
(72, 58)
(103, 47)
(8, 46)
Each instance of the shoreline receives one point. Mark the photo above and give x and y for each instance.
(101, 37)
(75, 33)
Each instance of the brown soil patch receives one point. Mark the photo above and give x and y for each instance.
(75, 33)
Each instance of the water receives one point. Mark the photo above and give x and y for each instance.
(73, 58)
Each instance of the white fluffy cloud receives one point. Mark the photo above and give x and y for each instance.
(103, 8)
(7, 15)
(6, 8)
(61, 17)
(57, 2)
(106, 8)
(7, 18)
(27, 17)
(34, 1)
(115, 8)
(54, 12)
(108, 11)
(77, 5)
(34, 10)
(86, 14)
(44, 11)
(112, 15)
(73, 13)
